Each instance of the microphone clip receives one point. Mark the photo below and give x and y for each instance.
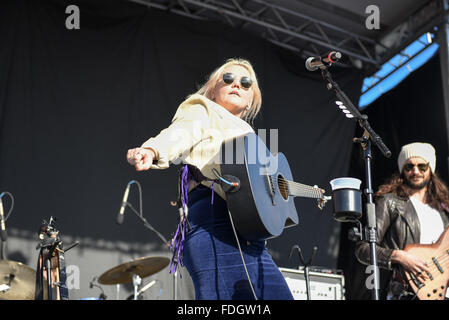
(228, 182)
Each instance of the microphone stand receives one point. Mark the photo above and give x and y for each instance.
(149, 226)
(369, 136)
(4, 218)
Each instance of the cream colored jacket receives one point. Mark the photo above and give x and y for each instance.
(195, 136)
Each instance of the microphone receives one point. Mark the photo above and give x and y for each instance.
(3, 234)
(314, 63)
(121, 214)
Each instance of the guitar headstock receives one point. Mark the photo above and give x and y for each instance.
(323, 199)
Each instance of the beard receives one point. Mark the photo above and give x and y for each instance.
(417, 185)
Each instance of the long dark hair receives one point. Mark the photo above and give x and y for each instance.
(437, 195)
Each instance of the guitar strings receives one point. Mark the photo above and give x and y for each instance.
(303, 193)
(296, 184)
(305, 190)
(300, 185)
(441, 260)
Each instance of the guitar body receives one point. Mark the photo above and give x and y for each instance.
(437, 257)
(261, 208)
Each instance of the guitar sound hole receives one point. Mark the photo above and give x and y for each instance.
(283, 187)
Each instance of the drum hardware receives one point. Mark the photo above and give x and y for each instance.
(92, 284)
(138, 294)
(139, 214)
(17, 281)
(134, 271)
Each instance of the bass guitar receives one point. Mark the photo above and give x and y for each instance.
(262, 203)
(436, 256)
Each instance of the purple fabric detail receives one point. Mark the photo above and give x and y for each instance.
(177, 244)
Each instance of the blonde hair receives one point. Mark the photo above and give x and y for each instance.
(208, 88)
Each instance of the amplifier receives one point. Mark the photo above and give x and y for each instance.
(326, 285)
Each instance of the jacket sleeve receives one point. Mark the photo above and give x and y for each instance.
(383, 221)
(175, 142)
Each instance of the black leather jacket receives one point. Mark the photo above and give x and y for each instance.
(397, 226)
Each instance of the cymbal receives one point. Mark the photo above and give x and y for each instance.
(143, 267)
(17, 281)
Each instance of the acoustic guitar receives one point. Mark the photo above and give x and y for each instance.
(436, 256)
(262, 205)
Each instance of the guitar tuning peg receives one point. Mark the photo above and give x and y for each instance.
(320, 204)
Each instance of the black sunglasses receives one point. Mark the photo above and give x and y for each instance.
(421, 167)
(229, 78)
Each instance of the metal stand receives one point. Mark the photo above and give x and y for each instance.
(3, 247)
(3, 232)
(175, 284)
(149, 226)
(306, 267)
(137, 294)
(371, 228)
(136, 283)
(368, 136)
(443, 39)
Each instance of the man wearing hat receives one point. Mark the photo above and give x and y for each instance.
(412, 207)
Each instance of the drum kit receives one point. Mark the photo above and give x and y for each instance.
(133, 271)
(18, 281)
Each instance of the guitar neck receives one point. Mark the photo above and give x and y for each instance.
(296, 189)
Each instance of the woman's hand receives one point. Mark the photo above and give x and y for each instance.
(411, 263)
(140, 158)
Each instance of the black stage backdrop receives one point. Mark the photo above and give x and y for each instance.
(72, 102)
(413, 111)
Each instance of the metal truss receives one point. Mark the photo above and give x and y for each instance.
(424, 20)
(279, 25)
(303, 34)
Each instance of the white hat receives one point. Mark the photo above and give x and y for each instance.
(417, 149)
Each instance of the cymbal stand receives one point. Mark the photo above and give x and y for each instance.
(142, 290)
(306, 266)
(136, 283)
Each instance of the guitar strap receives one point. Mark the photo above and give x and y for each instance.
(186, 174)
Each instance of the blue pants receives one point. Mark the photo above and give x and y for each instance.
(212, 257)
